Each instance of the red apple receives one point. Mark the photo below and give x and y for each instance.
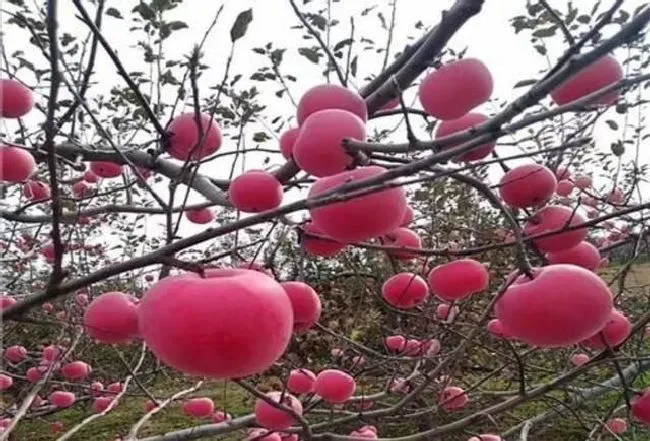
(76, 370)
(495, 327)
(528, 185)
(220, 416)
(395, 343)
(334, 386)
(114, 388)
(319, 149)
(255, 191)
(458, 279)
(319, 246)
(561, 306)
(330, 96)
(584, 254)
(16, 353)
(617, 425)
(62, 399)
(616, 196)
(446, 312)
(456, 88)
(641, 407)
(305, 303)
(51, 353)
(198, 407)
(241, 322)
(34, 374)
(96, 388)
(273, 418)
(579, 359)
(356, 219)
(583, 182)
(112, 318)
(555, 218)
(36, 191)
(200, 216)
(81, 299)
(17, 100)
(16, 165)
(564, 187)
(453, 398)
(615, 332)
(600, 74)
(5, 382)
(301, 381)
(463, 123)
(90, 177)
(402, 237)
(6, 302)
(405, 290)
(563, 173)
(101, 404)
(81, 190)
(106, 169)
(287, 141)
(184, 140)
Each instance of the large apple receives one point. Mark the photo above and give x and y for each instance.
(184, 141)
(600, 74)
(233, 323)
(334, 386)
(402, 237)
(330, 96)
(555, 218)
(255, 191)
(458, 279)
(456, 88)
(528, 185)
(16, 165)
(584, 254)
(273, 418)
(112, 318)
(466, 122)
(357, 219)
(561, 306)
(319, 148)
(305, 303)
(405, 290)
(16, 100)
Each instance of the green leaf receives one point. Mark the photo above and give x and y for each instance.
(545, 32)
(524, 83)
(240, 26)
(112, 12)
(310, 53)
(541, 49)
(584, 19)
(176, 25)
(341, 44)
(353, 66)
(145, 11)
(612, 124)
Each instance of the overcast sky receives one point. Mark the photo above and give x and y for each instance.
(489, 36)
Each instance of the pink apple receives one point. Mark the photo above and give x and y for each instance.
(528, 185)
(446, 312)
(184, 141)
(617, 425)
(81, 190)
(36, 191)
(100, 404)
(458, 279)
(242, 322)
(287, 141)
(584, 254)
(90, 177)
(319, 149)
(16, 353)
(615, 332)
(34, 374)
(495, 327)
(198, 407)
(5, 382)
(564, 187)
(395, 343)
(150, 405)
(6, 302)
(431, 347)
(616, 196)
(555, 218)
(561, 306)
(579, 359)
(330, 96)
(463, 123)
(301, 381)
(115, 388)
(112, 318)
(305, 303)
(334, 386)
(600, 74)
(319, 246)
(456, 88)
(273, 418)
(62, 399)
(96, 388)
(453, 398)
(563, 173)
(255, 191)
(200, 216)
(220, 416)
(76, 370)
(17, 100)
(16, 165)
(583, 182)
(356, 219)
(402, 237)
(641, 407)
(51, 353)
(405, 290)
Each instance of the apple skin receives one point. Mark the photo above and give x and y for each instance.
(356, 219)
(561, 306)
(617, 425)
(255, 191)
(199, 407)
(301, 381)
(17, 100)
(272, 418)
(330, 96)
(555, 218)
(334, 386)
(601, 73)
(579, 359)
(405, 290)
(641, 407)
(230, 335)
(458, 279)
(16, 164)
(184, 139)
(615, 332)
(456, 88)
(200, 216)
(36, 191)
(453, 398)
(402, 237)
(528, 185)
(112, 318)
(287, 141)
(305, 303)
(16, 353)
(584, 254)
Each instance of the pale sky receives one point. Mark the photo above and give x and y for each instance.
(488, 36)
